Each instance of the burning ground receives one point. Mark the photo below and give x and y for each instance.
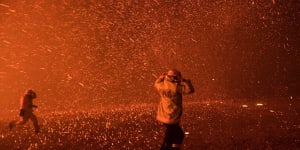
(93, 64)
(231, 124)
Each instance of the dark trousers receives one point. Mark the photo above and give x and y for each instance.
(24, 117)
(173, 135)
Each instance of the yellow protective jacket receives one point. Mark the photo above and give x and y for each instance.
(170, 106)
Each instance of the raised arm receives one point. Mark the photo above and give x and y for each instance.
(159, 81)
(187, 87)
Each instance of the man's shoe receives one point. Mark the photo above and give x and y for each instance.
(10, 126)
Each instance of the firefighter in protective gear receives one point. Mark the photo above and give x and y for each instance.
(26, 111)
(171, 86)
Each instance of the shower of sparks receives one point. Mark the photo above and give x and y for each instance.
(93, 64)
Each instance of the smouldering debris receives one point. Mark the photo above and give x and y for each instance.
(259, 104)
(245, 106)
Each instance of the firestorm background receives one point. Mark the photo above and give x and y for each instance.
(98, 52)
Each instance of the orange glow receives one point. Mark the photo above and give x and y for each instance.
(245, 106)
(259, 104)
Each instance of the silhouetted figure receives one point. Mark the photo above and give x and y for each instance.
(171, 86)
(26, 111)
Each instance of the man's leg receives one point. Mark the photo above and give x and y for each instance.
(167, 144)
(34, 120)
(163, 145)
(23, 120)
(12, 124)
(178, 137)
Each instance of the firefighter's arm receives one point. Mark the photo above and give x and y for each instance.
(159, 81)
(187, 87)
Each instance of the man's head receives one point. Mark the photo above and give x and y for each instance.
(30, 93)
(174, 75)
